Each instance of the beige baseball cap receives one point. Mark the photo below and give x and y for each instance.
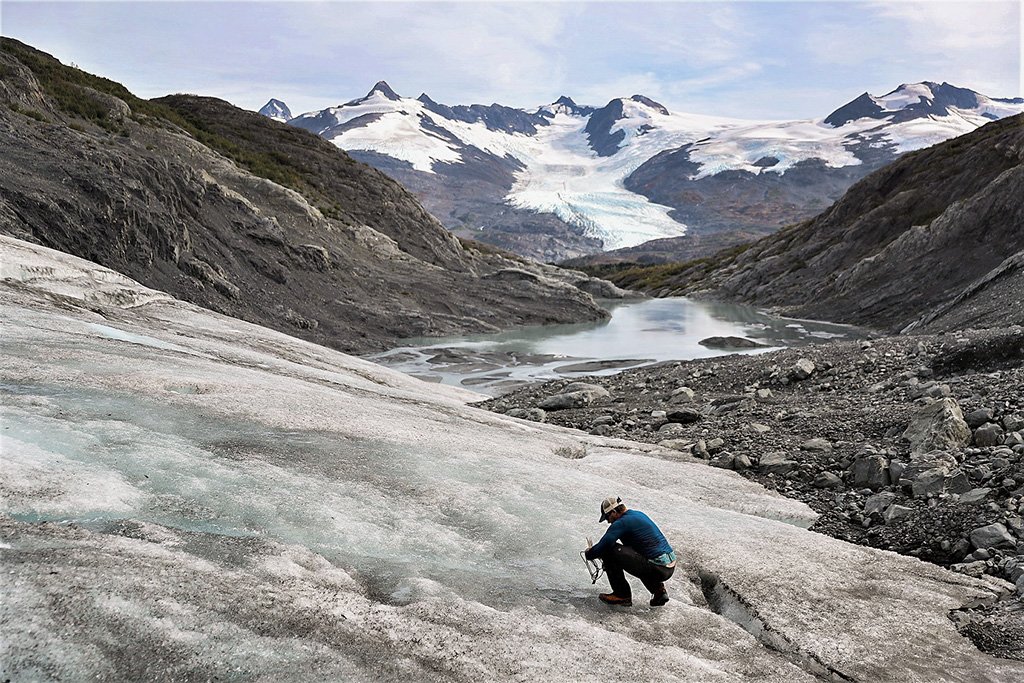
(608, 505)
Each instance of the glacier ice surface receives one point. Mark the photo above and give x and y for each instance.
(239, 504)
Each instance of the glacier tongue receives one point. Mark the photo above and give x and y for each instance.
(563, 176)
(185, 495)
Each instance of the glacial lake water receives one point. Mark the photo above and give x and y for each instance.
(639, 332)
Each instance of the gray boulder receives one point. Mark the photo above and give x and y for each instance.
(870, 471)
(937, 426)
(684, 445)
(573, 399)
(818, 445)
(801, 370)
(827, 480)
(671, 429)
(741, 462)
(574, 395)
(895, 512)
(992, 536)
(958, 482)
(684, 415)
(975, 496)
(682, 395)
(1013, 423)
(978, 417)
(990, 434)
(596, 390)
(930, 481)
(723, 460)
(777, 463)
(876, 504)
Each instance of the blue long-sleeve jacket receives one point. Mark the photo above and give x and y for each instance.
(636, 530)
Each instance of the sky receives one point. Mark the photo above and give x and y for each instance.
(761, 60)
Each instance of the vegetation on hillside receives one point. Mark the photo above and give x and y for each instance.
(70, 90)
(655, 277)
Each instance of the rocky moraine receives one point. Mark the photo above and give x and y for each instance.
(913, 444)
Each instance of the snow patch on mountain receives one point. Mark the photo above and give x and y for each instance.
(789, 142)
(277, 110)
(575, 166)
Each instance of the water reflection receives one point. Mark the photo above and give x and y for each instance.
(638, 333)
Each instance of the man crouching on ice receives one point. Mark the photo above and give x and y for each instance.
(643, 552)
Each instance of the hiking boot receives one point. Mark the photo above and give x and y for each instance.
(659, 598)
(613, 599)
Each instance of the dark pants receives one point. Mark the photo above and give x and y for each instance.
(621, 558)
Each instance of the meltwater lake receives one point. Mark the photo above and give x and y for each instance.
(640, 332)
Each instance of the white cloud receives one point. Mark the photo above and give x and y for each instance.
(712, 57)
(945, 26)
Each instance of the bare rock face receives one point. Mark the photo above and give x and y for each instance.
(938, 426)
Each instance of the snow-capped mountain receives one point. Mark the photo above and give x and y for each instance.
(565, 179)
(277, 110)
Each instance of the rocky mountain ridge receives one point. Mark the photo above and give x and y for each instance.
(230, 210)
(562, 180)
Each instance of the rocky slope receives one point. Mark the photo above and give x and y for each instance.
(246, 216)
(933, 241)
(913, 444)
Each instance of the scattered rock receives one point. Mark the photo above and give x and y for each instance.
(574, 399)
(683, 395)
(929, 482)
(871, 471)
(992, 536)
(978, 417)
(817, 444)
(723, 460)
(975, 496)
(827, 480)
(777, 463)
(896, 512)
(990, 434)
(801, 370)
(937, 426)
(876, 504)
(684, 415)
